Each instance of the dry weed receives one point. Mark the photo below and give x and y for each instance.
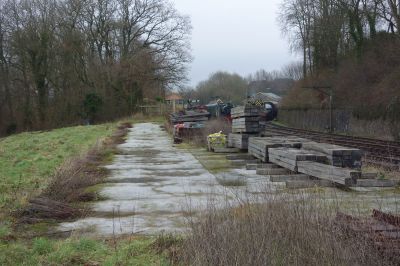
(285, 230)
(70, 181)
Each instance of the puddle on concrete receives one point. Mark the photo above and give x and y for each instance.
(152, 184)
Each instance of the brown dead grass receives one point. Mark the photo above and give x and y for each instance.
(288, 230)
(71, 180)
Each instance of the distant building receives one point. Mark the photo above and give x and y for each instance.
(267, 97)
(175, 100)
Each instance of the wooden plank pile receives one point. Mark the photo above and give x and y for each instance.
(289, 157)
(240, 141)
(337, 155)
(325, 164)
(245, 119)
(258, 147)
(339, 175)
(189, 116)
(245, 111)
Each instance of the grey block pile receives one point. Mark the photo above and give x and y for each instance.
(343, 176)
(240, 141)
(245, 119)
(337, 155)
(258, 147)
(289, 157)
(245, 111)
(325, 164)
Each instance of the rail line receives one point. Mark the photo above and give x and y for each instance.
(379, 152)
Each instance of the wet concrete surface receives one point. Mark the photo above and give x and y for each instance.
(154, 184)
(151, 185)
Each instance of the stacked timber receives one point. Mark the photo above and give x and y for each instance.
(298, 158)
(189, 116)
(258, 147)
(245, 111)
(240, 141)
(245, 119)
(246, 125)
(289, 157)
(343, 176)
(337, 155)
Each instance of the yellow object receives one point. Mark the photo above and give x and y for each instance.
(216, 140)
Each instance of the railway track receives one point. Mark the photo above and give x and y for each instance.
(379, 152)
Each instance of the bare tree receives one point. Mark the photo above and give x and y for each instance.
(325, 30)
(54, 53)
(296, 23)
(293, 71)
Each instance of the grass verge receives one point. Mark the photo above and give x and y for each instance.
(64, 179)
(83, 251)
(70, 182)
(29, 160)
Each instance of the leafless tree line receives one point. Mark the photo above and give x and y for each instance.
(291, 70)
(62, 61)
(326, 30)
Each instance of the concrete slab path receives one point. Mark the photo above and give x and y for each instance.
(151, 186)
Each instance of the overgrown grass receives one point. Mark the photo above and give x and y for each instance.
(297, 229)
(383, 173)
(28, 160)
(82, 251)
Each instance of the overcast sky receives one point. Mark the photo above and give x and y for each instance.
(234, 35)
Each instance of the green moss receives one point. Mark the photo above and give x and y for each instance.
(38, 228)
(28, 160)
(213, 162)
